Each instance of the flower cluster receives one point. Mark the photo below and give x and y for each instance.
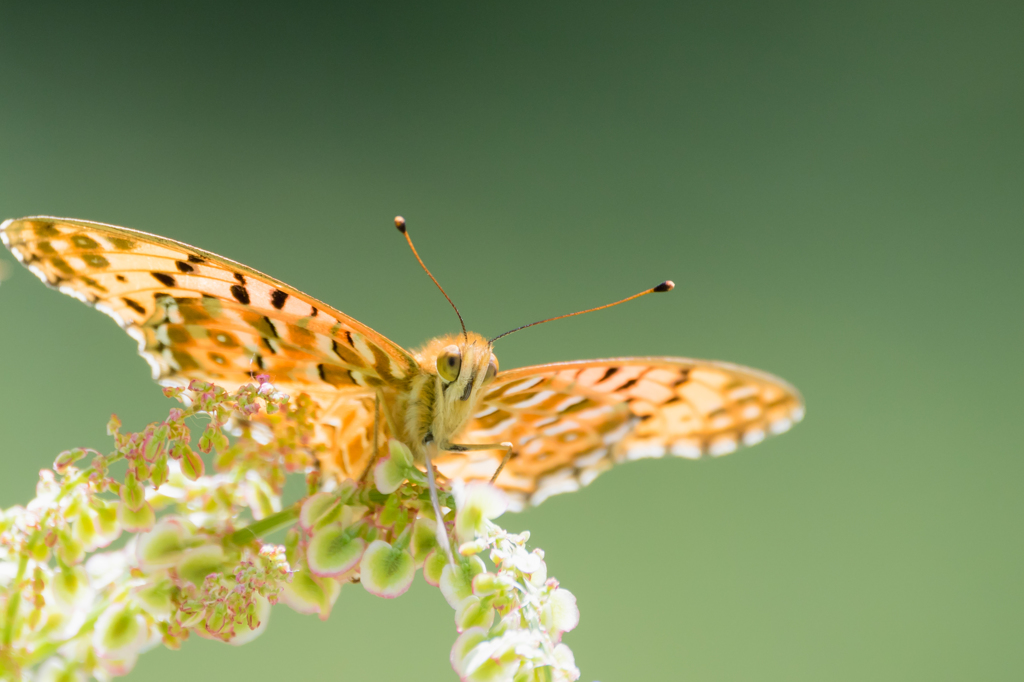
(532, 610)
(191, 558)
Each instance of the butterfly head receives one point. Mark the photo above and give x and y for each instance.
(462, 365)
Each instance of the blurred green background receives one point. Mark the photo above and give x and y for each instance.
(836, 189)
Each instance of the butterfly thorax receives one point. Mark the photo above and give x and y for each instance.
(446, 392)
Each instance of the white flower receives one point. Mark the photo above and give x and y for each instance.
(476, 503)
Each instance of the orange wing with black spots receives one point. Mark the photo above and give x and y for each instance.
(197, 315)
(571, 421)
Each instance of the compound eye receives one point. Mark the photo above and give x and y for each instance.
(449, 362)
(492, 369)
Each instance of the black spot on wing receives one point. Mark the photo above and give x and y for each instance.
(178, 335)
(120, 243)
(315, 311)
(224, 339)
(121, 278)
(269, 328)
(266, 344)
(278, 298)
(183, 266)
(609, 372)
(240, 293)
(184, 360)
(195, 259)
(164, 278)
(84, 242)
(240, 277)
(134, 306)
(336, 376)
(62, 265)
(93, 283)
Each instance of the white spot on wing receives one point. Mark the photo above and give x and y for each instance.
(753, 437)
(591, 458)
(108, 311)
(587, 476)
(73, 293)
(525, 386)
(569, 402)
(535, 400)
(780, 426)
(685, 448)
(645, 451)
(494, 430)
(619, 433)
(742, 392)
(722, 446)
(161, 334)
(533, 447)
(359, 343)
(155, 366)
(722, 421)
(751, 411)
(555, 484)
(562, 427)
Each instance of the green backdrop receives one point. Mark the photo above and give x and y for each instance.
(836, 189)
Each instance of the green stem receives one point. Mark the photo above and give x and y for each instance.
(49, 649)
(13, 602)
(281, 519)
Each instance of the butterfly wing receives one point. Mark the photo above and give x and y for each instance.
(197, 315)
(571, 421)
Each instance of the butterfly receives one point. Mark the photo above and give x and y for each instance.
(543, 430)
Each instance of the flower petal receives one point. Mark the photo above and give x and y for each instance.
(386, 571)
(333, 551)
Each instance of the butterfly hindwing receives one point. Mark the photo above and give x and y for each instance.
(570, 421)
(197, 315)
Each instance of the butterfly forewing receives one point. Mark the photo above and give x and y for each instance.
(197, 315)
(571, 421)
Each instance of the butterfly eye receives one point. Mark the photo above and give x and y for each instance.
(492, 368)
(449, 362)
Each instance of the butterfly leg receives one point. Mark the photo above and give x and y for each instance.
(507, 447)
(376, 430)
(504, 461)
(442, 533)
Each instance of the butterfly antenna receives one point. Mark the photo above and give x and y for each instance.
(400, 224)
(667, 285)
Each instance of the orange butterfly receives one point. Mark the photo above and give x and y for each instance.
(544, 430)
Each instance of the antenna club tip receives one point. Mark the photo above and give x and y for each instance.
(667, 285)
(400, 223)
